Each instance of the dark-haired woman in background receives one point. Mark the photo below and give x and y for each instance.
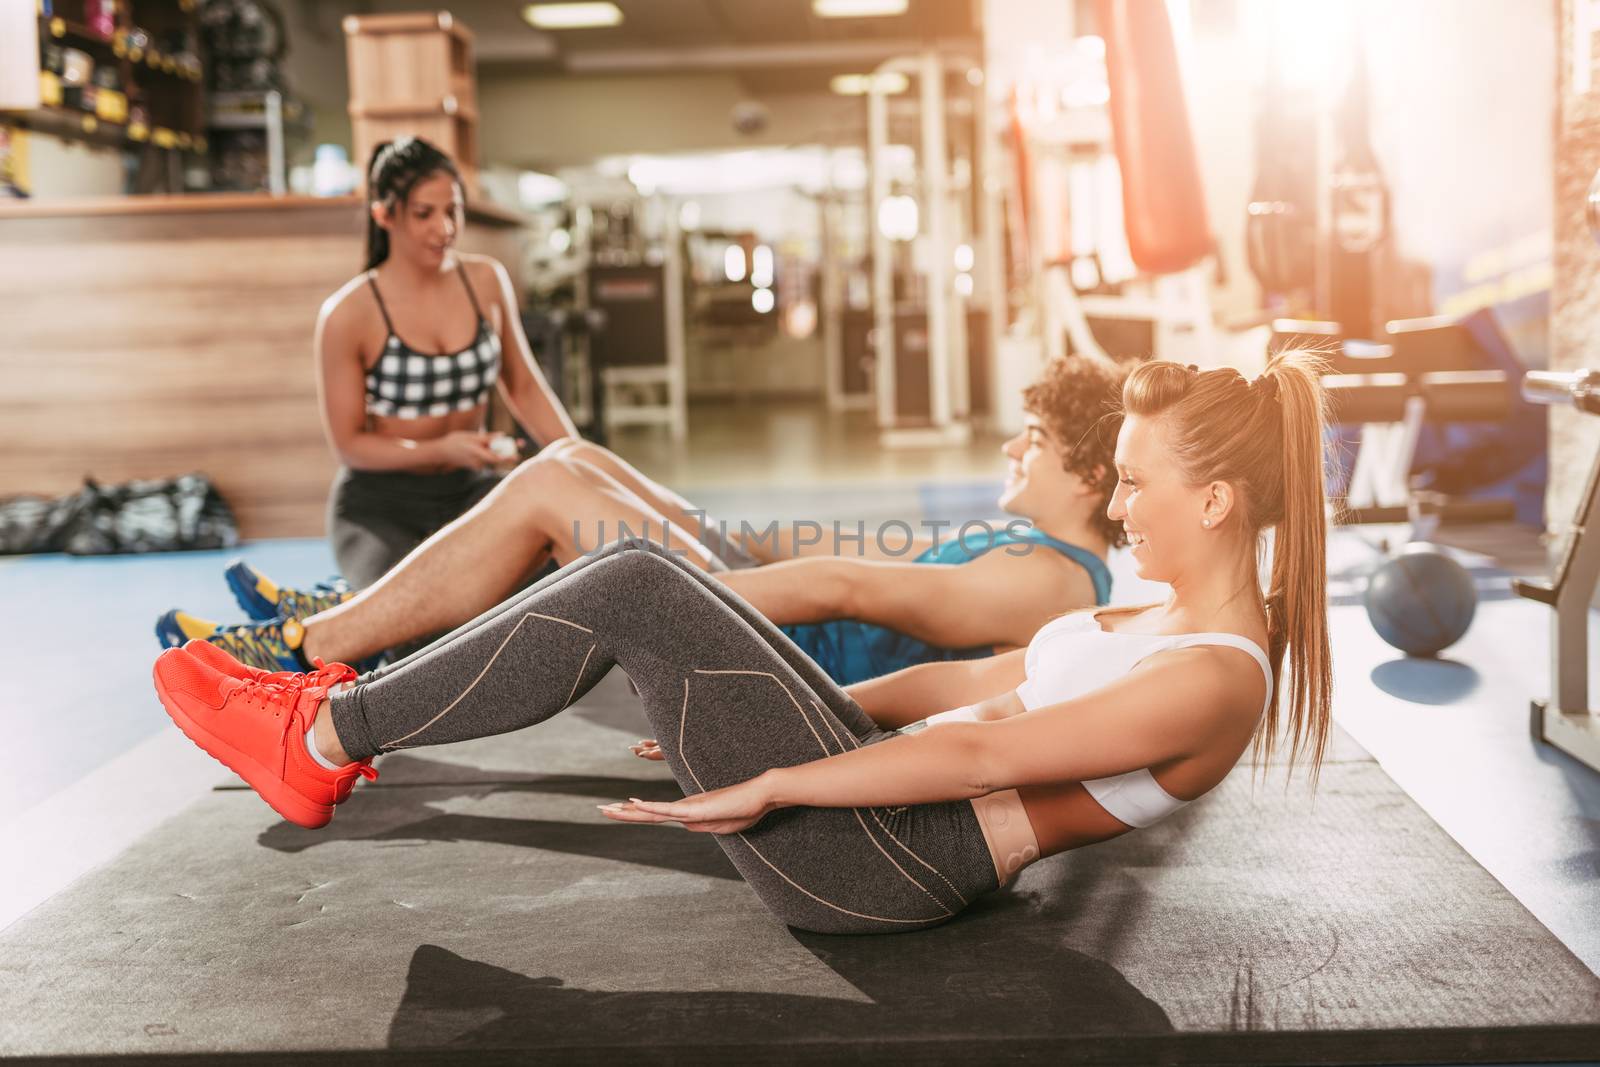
(407, 354)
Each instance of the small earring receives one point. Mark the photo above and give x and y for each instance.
(1205, 522)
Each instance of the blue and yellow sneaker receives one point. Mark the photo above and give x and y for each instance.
(265, 600)
(267, 646)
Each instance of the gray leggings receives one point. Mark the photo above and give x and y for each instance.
(727, 695)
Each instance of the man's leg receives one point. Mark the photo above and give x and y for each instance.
(544, 508)
(610, 468)
(661, 499)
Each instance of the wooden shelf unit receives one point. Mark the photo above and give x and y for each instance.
(161, 88)
(414, 74)
(194, 351)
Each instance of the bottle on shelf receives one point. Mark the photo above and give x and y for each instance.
(137, 43)
(77, 67)
(110, 103)
(331, 173)
(101, 17)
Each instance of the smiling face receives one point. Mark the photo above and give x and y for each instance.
(1037, 481)
(1163, 516)
(423, 227)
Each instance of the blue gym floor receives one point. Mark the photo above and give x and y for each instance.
(76, 646)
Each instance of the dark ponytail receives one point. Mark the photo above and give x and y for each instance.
(393, 171)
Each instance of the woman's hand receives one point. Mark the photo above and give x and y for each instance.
(721, 811)
(649, 748)
(470, 449)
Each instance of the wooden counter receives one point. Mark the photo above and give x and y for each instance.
(487, 213)
(149, 336)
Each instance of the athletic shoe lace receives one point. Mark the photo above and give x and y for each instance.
(324, 676)
(278, 698)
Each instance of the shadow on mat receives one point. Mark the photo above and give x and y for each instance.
(1426, 681)
(404, 813)
(996, 970)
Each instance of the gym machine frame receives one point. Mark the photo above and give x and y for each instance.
(1566, 720)
(1391, 409)
(947, 350)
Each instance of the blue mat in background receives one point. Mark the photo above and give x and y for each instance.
(76, 642)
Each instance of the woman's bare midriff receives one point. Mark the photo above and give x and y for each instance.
(428, 428)
(1064, 817)
(1023, 825)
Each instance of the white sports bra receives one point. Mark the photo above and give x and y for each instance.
(1072, 655)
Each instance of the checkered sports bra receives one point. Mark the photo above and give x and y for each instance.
(407, 384)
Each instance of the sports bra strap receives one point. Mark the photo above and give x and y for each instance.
(372, 280)
(461, 268)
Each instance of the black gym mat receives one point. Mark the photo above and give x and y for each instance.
(472, 899)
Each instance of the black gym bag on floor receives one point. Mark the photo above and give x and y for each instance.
(160, 515)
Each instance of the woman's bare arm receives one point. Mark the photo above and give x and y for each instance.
(1177, 704)
(911, 695)
(522, 384)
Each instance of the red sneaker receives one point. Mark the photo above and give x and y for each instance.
(326, 676)
(256, 728)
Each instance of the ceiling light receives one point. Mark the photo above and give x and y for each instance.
(857, 9)
(572, 16)
(858, 84)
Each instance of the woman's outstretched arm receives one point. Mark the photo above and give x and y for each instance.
(912, 694)
(986, 685)
(1177, 704)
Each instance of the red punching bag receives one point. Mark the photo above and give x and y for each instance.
(1164, 208)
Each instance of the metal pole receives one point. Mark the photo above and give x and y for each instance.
(831, 299)
(935, 173)
(990, 249)
(882, 255)
(677, 359)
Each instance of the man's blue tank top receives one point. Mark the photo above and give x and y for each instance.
(853, 651)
